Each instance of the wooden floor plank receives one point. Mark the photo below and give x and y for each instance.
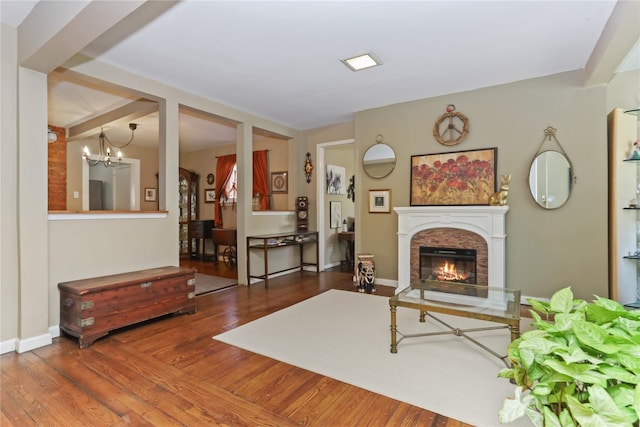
(351, 407)
(384, 411)
(311, 405)
(171, 371)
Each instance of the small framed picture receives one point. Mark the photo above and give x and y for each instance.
(379, 201)
(209, 195)
(279, 182)
(335, 214)
(150, 194)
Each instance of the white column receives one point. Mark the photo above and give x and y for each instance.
(33, 229)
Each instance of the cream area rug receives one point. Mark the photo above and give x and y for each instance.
(206, 283)
(345, 336)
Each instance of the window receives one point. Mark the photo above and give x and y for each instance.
(231, 188)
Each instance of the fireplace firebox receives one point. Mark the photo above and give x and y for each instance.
(448, 264)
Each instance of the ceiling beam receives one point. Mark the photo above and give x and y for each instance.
(54, 31)
(618, 37)
(132, 111)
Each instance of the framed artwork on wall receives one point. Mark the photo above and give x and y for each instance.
(335, 214)
(279, 182)
(455, 178)
(380, 201)
(336, 180)
(150, 194)
(209, 195)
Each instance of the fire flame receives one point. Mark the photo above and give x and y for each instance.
(448, 272)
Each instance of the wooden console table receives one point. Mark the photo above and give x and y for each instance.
(267, 242)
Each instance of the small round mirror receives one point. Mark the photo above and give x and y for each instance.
(379, 160)
(550, 179)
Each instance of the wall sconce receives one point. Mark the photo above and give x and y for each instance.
(51, 136)
(308, 167)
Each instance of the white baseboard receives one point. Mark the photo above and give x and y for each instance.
(331, 265)
(14, 344)
(8, 346)
(387, 282)
(32, 343)
(54, 331)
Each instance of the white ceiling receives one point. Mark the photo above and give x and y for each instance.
(281, 60)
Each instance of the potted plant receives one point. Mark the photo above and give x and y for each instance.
(581, 369)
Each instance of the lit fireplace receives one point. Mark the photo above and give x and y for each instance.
(481, 228)
(448, 264)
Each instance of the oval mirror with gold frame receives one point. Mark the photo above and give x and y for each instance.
(551, 175)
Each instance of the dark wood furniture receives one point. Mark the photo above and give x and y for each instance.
(266, 242)
(91, 308)
(188, 210)
(199, 232)
(225, 237)
(350, 238)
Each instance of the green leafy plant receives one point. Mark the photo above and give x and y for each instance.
(581, 369)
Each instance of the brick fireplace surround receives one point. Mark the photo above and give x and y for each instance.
(472, 227)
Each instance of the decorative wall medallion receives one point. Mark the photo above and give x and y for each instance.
(308, 167)
(452, 127)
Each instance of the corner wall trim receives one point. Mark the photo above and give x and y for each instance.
(33, 343)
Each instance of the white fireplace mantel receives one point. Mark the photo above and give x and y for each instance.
(486, 221)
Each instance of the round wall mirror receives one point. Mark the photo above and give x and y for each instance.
(550, 179)
(379, 160)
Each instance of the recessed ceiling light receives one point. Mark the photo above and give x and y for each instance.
(362, 62)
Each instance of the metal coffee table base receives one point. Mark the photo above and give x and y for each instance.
(472, 303)
(452, 330)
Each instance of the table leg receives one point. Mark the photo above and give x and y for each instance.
(348, 253)
(301, 246)
(248, 262)
(394, 329)
(266, 264)
(317, 254)
(515, 330)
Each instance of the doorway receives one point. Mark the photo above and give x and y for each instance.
(322, 205)
(111, 188)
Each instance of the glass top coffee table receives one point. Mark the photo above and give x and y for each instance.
(487, 303)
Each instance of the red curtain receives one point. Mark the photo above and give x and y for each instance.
(224, 167)
(261, 178)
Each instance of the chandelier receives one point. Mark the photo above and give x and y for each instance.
(104, 156)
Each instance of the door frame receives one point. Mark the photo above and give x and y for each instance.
(134, 184)
(320, 194)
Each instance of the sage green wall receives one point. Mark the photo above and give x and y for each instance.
(546, 249)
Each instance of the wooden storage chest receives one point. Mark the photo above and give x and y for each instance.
(91, 308)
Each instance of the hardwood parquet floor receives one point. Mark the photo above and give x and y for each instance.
(170, 372)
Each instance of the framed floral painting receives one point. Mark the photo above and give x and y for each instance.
(454, 178)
